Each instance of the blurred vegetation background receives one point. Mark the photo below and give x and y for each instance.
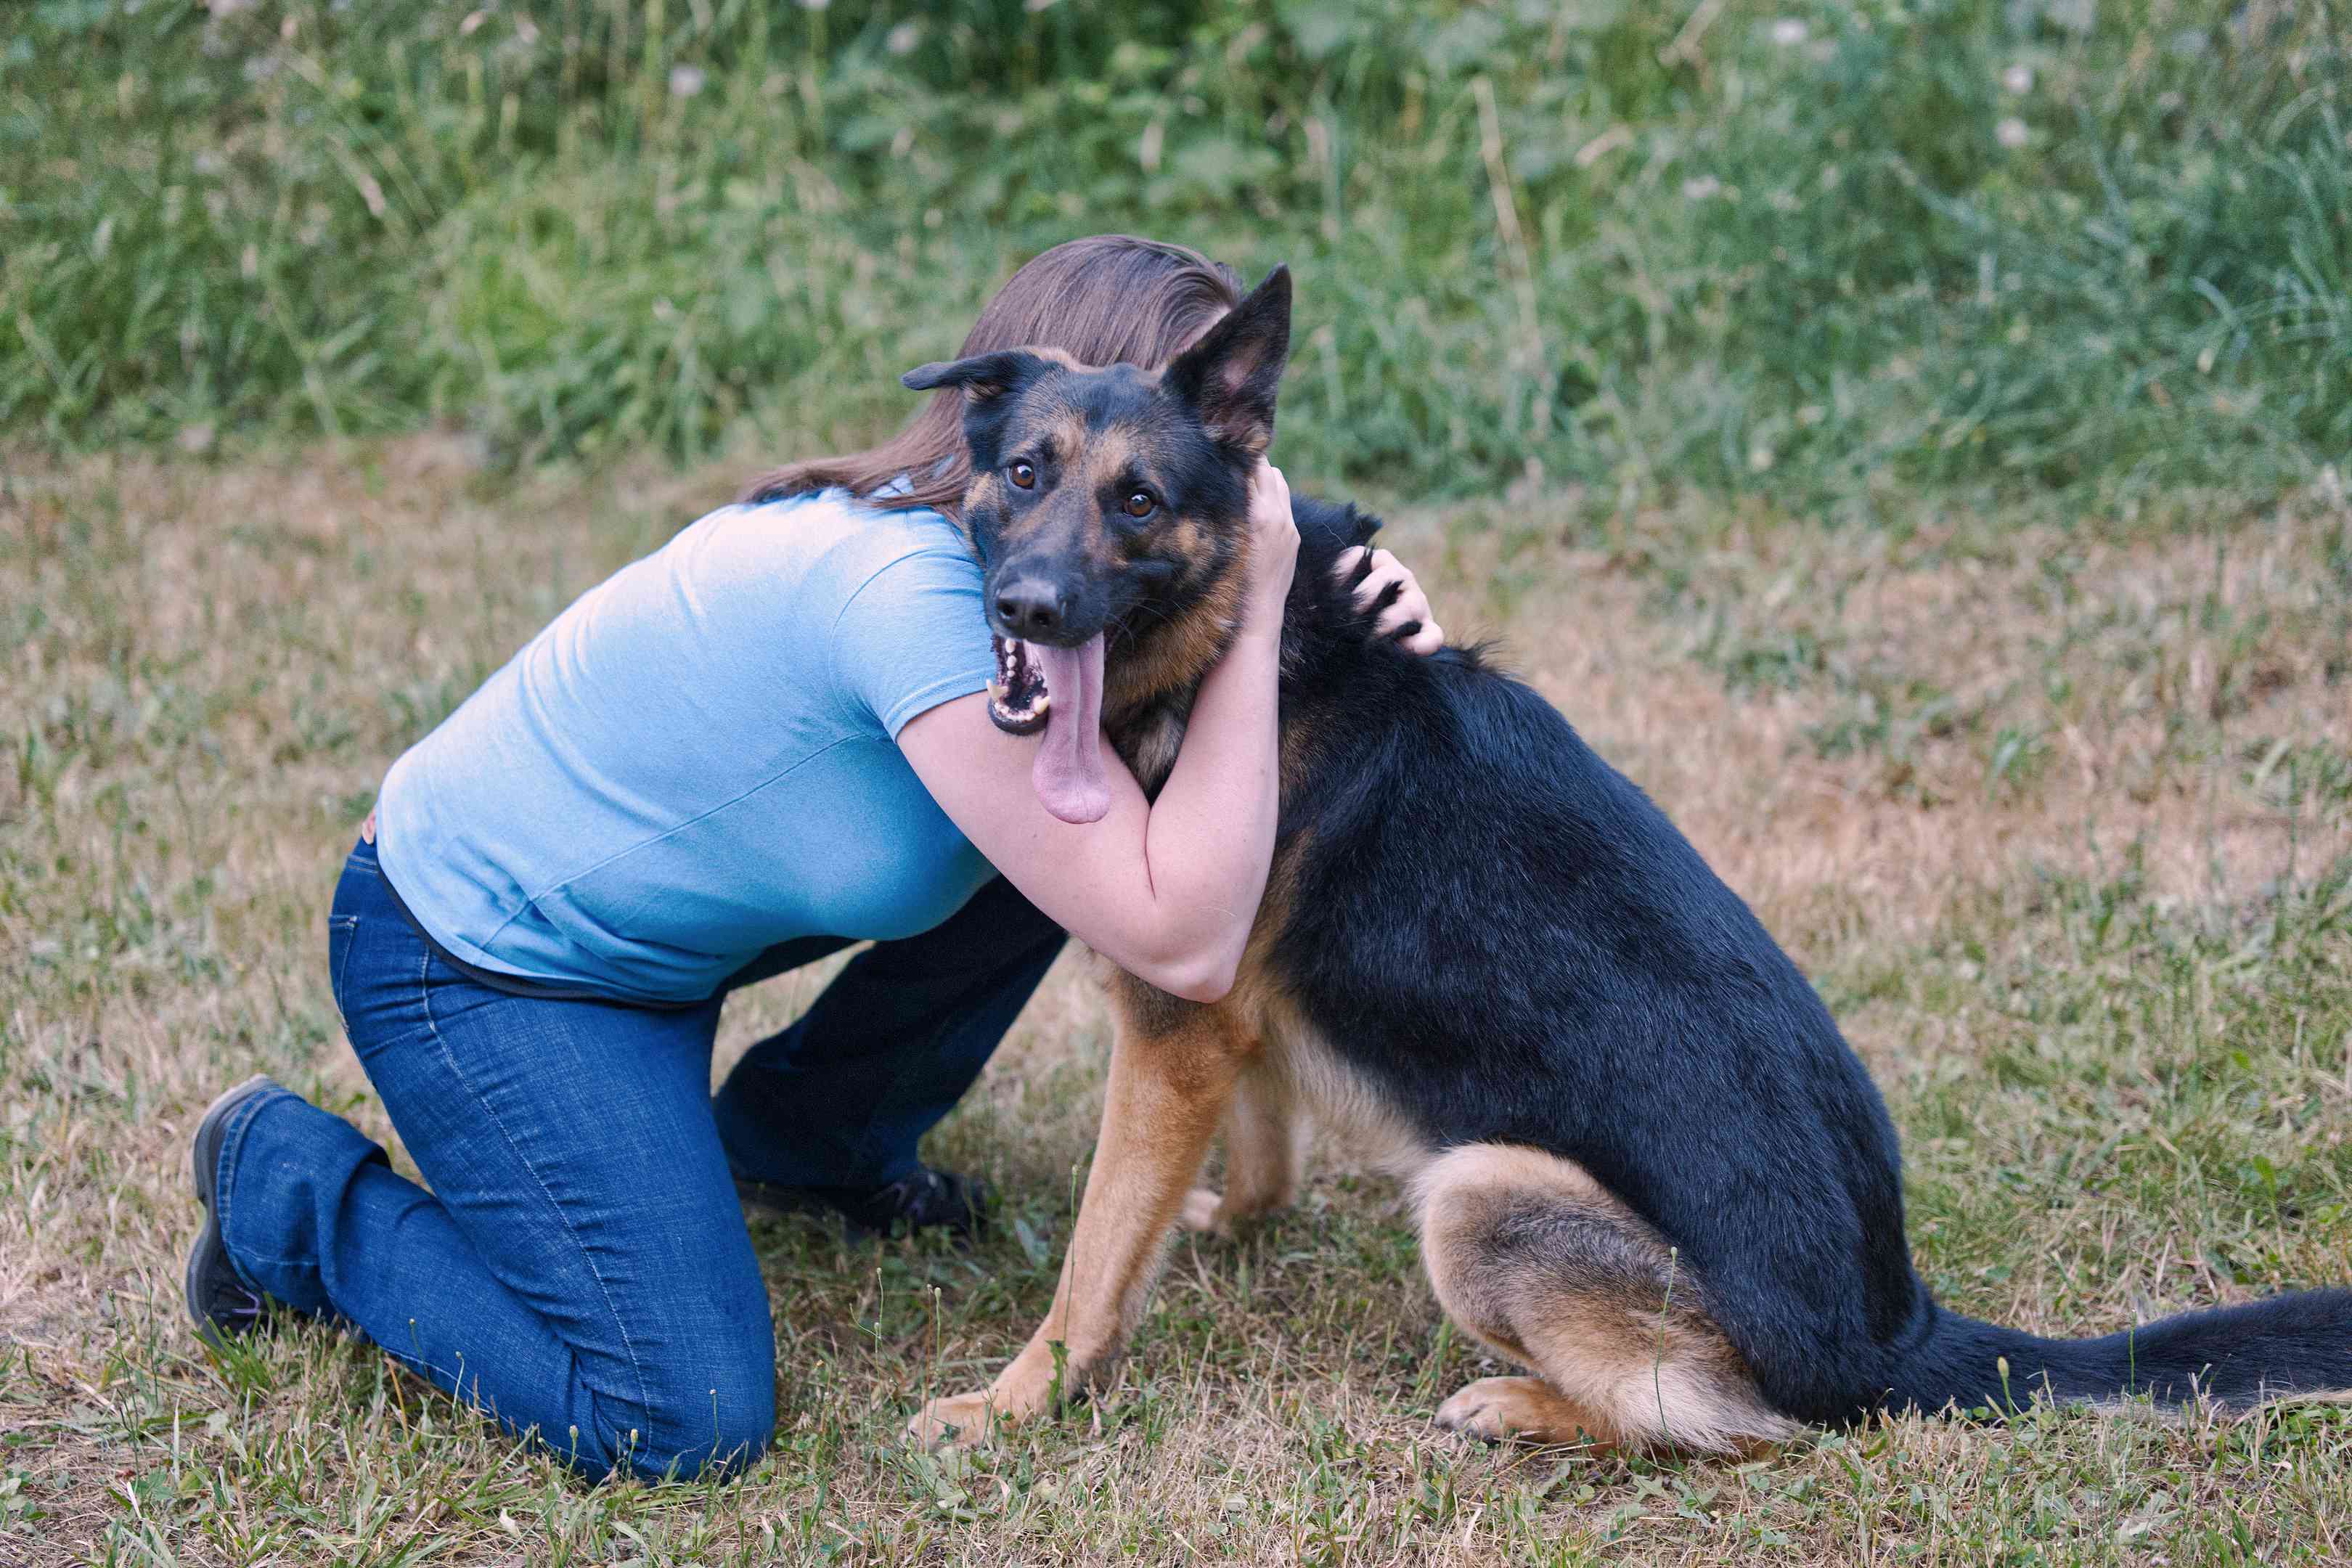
(2074, 254)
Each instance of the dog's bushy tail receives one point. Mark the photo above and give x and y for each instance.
(2235, 1356)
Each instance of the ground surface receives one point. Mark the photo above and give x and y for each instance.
(2058, 820)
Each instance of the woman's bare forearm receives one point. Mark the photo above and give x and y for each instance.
(1168, 889)
(1210, 840)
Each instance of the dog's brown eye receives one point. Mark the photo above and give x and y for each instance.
(1140, 503)
(1022, 475)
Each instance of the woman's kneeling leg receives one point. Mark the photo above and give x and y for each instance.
(317, 1220)
(580, 1266)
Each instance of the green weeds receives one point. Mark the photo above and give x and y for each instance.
(1830, 252)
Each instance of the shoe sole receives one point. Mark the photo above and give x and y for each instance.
(206, 1185)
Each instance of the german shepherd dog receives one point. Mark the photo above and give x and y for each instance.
(1646, 1164)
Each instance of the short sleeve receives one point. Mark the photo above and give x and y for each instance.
(913, 637)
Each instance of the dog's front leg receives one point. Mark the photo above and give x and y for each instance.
(1263, 1133)
(1172, 1068)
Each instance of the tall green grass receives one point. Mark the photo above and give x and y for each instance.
(1834, 253)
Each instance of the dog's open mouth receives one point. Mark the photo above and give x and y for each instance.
(1017, 698)
(1058, 690)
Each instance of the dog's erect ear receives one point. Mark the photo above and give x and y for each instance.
(982, 377)
(1230, 376)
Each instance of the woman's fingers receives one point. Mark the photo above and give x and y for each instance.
(1270, 514)
(1390, 587)
(1274, 546)
(1270, 499)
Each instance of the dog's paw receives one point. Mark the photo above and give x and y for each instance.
(959, 1421)
(1204, 1211)
(1498, 1409)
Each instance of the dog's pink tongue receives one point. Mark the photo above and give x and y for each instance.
(1068, 772)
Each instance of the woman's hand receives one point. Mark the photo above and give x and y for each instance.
(1274, 547)
(1393, 589)
(1390, 588)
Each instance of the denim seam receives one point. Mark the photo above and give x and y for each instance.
(224, 1173)
(604, 1289)
(335, 981)
(287, 1262)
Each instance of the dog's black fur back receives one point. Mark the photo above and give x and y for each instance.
(1509, 941)
(1502, 940)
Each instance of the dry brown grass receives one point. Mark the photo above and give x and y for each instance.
(2170, 648)
(2060, 823)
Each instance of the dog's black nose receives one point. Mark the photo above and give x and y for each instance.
(1031, 608)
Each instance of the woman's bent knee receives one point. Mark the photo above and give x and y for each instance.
(707, 1428)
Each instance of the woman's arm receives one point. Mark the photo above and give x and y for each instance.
(1167, 890)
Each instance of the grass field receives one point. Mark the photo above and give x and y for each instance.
(1823, 251)
(2057, 812)
(1909, 436)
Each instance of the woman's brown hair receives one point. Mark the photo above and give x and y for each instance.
(1108, 299)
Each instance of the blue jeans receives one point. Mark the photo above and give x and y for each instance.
(580, 1266)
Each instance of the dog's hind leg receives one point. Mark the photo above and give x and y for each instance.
(1262, 1137)
(1532, 1256)
(1172, 1068)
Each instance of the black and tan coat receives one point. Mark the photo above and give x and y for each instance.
(1647, 1167)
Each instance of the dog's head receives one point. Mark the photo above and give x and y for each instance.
(1104, 504)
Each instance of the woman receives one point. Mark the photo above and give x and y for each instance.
(766, 740)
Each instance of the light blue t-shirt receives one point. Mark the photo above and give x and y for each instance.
(699, 758)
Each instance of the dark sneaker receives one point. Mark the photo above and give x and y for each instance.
(927, 1200)
(219, 1299)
